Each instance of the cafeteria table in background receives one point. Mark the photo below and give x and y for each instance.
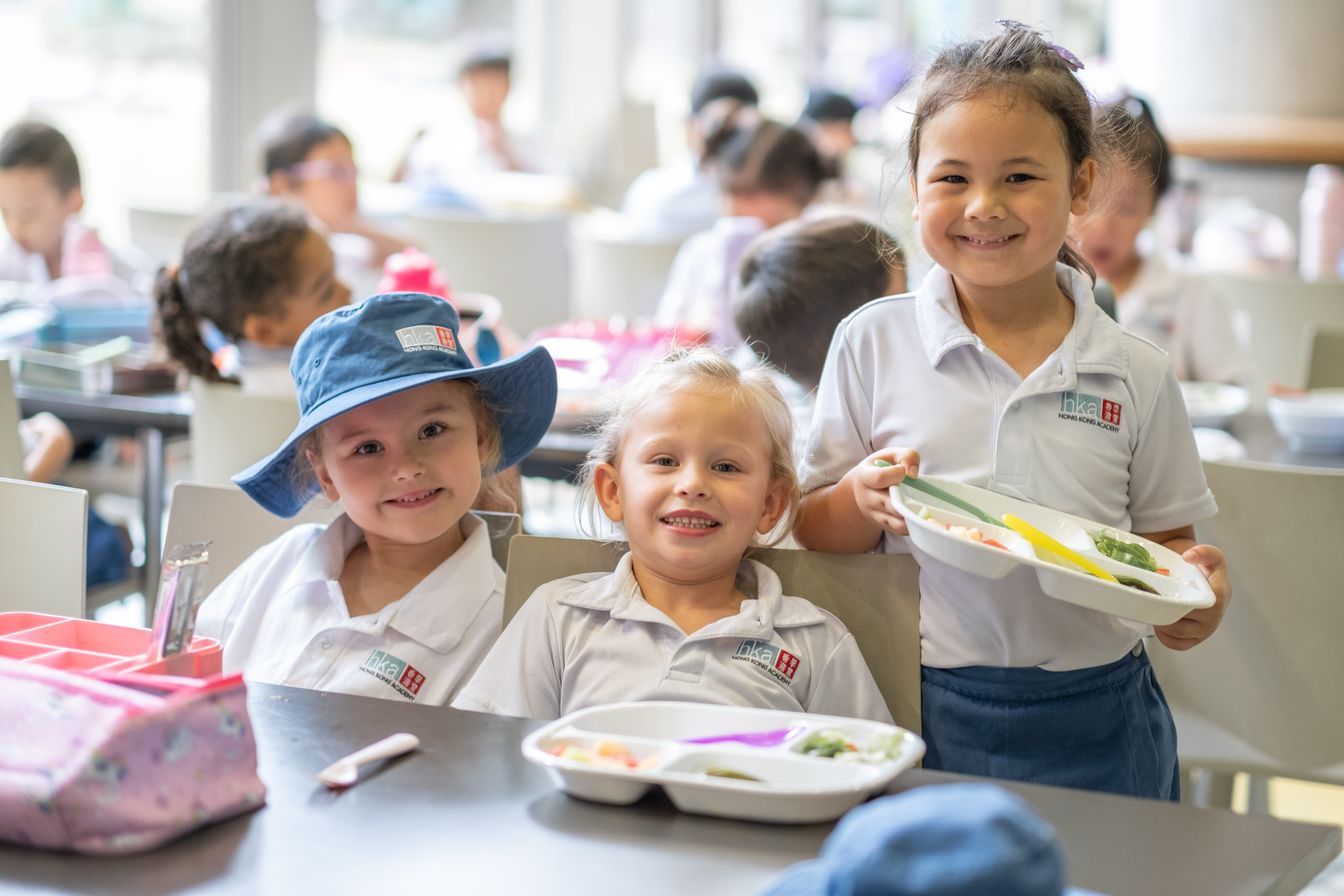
(467, 814)
(151, 419)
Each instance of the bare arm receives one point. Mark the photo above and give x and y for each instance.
(52, 449)
(850, 516)
(1196, 625)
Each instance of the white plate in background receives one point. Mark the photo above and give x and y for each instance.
(1312, 422)
(1214, 404)
(794, 788)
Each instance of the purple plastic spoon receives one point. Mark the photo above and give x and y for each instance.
(771, 738)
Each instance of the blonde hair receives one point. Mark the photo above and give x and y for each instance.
(689, 369)
(487, 431)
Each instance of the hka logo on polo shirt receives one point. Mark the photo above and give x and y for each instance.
(426, 337)
(404, 678)
(775, 660)
(1084, 408)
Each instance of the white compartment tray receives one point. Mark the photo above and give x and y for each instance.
(790, 786)
(1181, 590)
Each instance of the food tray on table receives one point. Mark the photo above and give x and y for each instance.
(129, 370)
(81, 645)
(773, 771)
(940, 530)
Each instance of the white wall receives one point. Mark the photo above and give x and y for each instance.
(1212, 57)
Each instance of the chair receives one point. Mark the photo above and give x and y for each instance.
(231, 429)
(1325, 363)
(1262, 694)
(160, 231)
(875, 595)
(11, 446)
(236, 526)
(523, 261)
(42, 532)
(612, 274)
(1273, 316)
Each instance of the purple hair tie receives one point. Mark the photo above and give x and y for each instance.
(1073, 62)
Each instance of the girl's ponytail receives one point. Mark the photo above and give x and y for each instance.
(241, 260)
(720, 122)
(1074, 259)
(180, 330)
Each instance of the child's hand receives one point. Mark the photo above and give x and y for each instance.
(1197, 625)
(871, 480)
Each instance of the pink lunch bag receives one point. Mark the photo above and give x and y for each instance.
(114, 766)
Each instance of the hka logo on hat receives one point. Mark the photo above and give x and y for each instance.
(775, 660)
(426, 337)
(1100, 412)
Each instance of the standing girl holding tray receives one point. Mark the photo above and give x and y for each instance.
(981, 371)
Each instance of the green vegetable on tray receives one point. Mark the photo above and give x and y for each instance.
(833, 744)
(827, 744)
(1124, 551)
(717, 771)
(1138, 584)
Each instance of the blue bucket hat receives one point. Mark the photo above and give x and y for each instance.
(945, 840)
(384, 345)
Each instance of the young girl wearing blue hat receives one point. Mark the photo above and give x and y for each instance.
(399, 597)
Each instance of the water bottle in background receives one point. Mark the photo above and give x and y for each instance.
(1322, 223)
(411, 270)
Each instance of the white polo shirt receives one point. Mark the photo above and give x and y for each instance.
(592, 638)
(702, 280)
(1182, 312)
(1098, 430)
(282, 618)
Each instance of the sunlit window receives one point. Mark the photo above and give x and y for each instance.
(388, 69)
(127, 81)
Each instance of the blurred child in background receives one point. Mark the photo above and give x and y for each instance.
(683, 198)
(767, 174)
(253, 276)
(828, 121)
(41, 196)
(1179, 310)
(311, 161)
(797, 282)
(451, 155)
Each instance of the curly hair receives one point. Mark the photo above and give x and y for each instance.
(238, 261)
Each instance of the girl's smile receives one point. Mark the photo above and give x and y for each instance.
(994, 191)
(987, 242)
(415, 499)
(405, 467)
(693, 523)
(692, 485)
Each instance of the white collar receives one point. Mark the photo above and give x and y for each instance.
(436, 612)
(619, 595)
(1094, 344)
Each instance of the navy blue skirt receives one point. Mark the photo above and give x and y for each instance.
(1107, 728)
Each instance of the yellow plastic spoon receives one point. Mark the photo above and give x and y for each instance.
(1041, 540)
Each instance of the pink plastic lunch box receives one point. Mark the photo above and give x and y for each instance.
(81, 645)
